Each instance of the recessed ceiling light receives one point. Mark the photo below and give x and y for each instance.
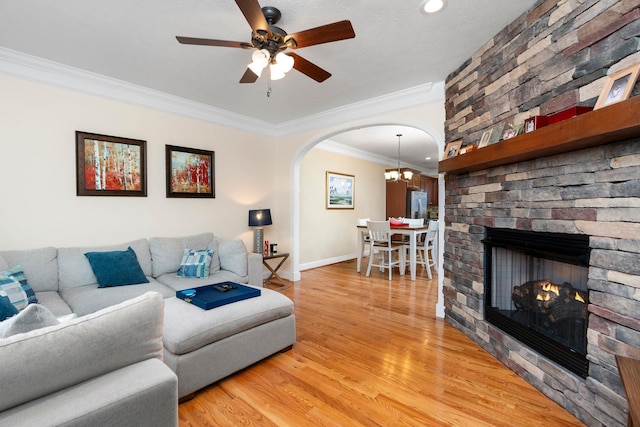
(432, 6)
(427, 158)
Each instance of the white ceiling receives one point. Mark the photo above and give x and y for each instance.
(396, 48)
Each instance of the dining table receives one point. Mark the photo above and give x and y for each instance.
(405, 230)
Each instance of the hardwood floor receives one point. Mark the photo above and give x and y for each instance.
(370, 352)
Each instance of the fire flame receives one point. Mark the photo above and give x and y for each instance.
(550, 288)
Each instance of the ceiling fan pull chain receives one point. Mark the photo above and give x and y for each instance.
(269, 89)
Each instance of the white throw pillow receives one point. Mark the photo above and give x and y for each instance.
(34, 316)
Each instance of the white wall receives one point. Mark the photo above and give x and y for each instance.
(37, 172)
(329, 235)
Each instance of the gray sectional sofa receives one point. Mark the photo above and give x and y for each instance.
(199, 346)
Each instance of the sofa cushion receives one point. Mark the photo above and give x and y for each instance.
(166, 252)
(195, 263)
(40, 266)
(83, 348)
(233, 256)
(54, 302)
(116, 268)
(215, 259)
(14, 285)
(6, 308)
(75, 270)
(90, 298)
(35, 316)
(188, 327)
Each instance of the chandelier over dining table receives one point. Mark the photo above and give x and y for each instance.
(399, 174)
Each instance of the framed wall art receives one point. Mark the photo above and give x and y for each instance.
(340, 191)
(190, 172)
(618, 86)
(110, 165)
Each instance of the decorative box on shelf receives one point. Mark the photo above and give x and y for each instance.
(535, 122)
(567, 114)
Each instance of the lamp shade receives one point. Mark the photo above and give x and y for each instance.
(259, 217)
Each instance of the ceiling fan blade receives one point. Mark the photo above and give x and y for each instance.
(309, 68)
(253, 13)
(212, 42)
(248, 77)
(324, 34)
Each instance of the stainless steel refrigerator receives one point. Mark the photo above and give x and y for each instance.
(416, 204)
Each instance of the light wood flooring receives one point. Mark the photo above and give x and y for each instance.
(370, 352)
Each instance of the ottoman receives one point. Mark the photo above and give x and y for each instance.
(204, 346)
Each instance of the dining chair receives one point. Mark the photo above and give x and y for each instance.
(380, 241)
(364, 236)
(430, 244)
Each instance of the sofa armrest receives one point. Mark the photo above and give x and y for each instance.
(255, 269)
(46, 360)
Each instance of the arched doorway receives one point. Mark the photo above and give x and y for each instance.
(436, 138)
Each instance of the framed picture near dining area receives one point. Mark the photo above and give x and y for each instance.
(340, 191)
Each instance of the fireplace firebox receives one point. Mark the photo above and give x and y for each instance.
(536, 291)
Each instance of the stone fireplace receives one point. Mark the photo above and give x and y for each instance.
(577, 177)
(591, 193)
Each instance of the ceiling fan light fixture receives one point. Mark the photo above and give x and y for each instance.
(260, 60)
(284, 62)
(276, 73)
(432, 6)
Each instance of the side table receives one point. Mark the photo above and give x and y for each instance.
(274, 271)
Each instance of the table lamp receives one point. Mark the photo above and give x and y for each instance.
(259, 218)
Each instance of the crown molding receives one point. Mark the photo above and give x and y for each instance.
(407, 98)
(28, 67)
(337, 148)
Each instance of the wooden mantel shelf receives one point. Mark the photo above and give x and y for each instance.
(613, 123)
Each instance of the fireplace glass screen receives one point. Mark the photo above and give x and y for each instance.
(536, 290)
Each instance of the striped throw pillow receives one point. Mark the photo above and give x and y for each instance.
(195, 263)
(14, 285)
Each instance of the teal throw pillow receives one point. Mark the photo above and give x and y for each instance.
(116, 268)
(6, 308)
(195, 263)
(13, 284)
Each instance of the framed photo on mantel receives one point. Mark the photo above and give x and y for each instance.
(618, 86)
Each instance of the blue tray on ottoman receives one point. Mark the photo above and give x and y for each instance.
(211, 296)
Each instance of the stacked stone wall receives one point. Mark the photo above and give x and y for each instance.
(555, 56)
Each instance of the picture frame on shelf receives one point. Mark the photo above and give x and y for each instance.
(452, 149)
(484, 141)
(491, 135)
(510, 133)
(190, 172)
(496, 133)
(110, 165)
(340, 190)
(618, 86)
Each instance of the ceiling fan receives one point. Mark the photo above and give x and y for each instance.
(269, 43)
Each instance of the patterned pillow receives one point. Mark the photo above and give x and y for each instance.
(13, 284)
(195, 263)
